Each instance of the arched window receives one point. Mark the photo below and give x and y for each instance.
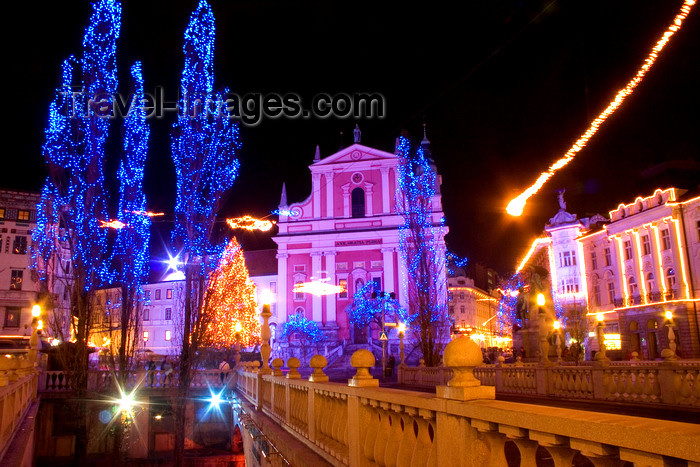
(632, 286)
(357, 198)
(299, 311)
(359, 283)
(670, 278)
(650, 282)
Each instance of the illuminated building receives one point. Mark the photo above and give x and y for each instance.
(644, 262)
(473, 310)
(346, 231)
(18, 287)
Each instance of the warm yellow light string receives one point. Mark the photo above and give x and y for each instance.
(516, 205)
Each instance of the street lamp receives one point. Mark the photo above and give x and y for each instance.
(557, 340)
(265, 333)
(402, 330)
(382, 297)
(238, 328)
(671, 334)
(543, 330)
(600, 356)
(540, 300)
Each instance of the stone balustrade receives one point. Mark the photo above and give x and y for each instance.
(103, 380)
(18, 385)
(462, 424)
(675, 382)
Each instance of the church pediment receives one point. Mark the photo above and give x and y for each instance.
(353, 154)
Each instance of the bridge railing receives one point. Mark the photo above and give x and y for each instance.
(362, 424)
(18, 384)
(675, 382)
(103, 380)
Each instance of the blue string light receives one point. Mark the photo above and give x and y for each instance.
(420, 240)
(204, 143)
(303, 327)
(73, 196)
(365, 309)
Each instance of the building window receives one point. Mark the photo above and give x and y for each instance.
(168, 314)
(594, 261)
(628, 249)
(299, 311)
(359, 283)
(646, 245)
(608, 257)
(358, 202)
(16, 279)
(298, 295)
(565, 259)
(462, 310)
(168, 335)
(2, 213)
(632, 286)
(650, 282)
(145, 336)
(611, 292)
(273, 287)
(573, 258)
(146, 314)
(19, 247)
(157, 294)
(697, 226)
(377, 283)
(596, 295)
(665, 239)
(344, 284)
(169, 294)
(22, 216)
(12, 317)
(461, 295)
(671, 278)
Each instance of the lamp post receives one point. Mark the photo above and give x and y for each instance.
(402, 329)
(265, 334)
(600, 356)
(544, 343)
(382, 297)
(671, 334)
(238, 328)
(557, 339)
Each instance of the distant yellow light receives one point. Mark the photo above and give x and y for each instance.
(40, 325)
(36, 311)
(557, 325)
(599, 317)
(669, 315)
(540, 299)
(402, 327)
(238, 327)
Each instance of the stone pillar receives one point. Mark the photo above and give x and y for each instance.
(282, 281)
(316, 190)
(462, 355)
(331, 299)
(265, 335)
(386, 194)
(369, 199)
(330, 207)
(316, 302)
(388, 266)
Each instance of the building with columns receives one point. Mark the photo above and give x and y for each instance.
(644, 263)
(345, 233)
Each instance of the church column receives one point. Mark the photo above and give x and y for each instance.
(282, 279)
(330, 208)
(369, 199)
(403, 290)
(346, 200)
(386, 200)
(316, 186)
(331, 299)
(316, 304)
(388, 265)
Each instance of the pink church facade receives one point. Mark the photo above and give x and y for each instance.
(346, 233)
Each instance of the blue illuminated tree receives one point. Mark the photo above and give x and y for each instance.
(304, 330)
(130, 252)
(367, 308)
(423, 250)
(204, 143)
(70, 249)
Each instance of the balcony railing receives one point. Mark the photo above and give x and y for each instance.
(104, 380)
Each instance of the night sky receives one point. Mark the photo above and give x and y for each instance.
(505, 87)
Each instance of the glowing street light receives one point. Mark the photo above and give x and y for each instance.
(36, 311)
(540, 299)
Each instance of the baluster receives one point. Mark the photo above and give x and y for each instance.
(395, 435)
(422, 447)
(696, 387)
(371, 432)
(686, 389)
(382, 435)
(494, 440)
